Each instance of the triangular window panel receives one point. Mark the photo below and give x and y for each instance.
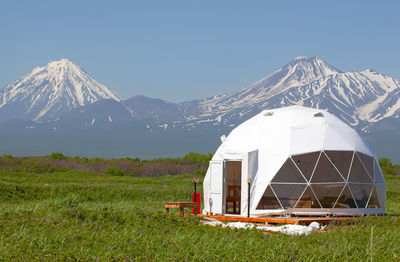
(306, 163)
(361, 193)
(358, 172)
(345, 199)
(378, 174)
(325, 172)
(368, 164)
(374, 200)
(327, 194)
(268, 200)
(308, 200)
(342, 160)
(288, 194)
(288, 173)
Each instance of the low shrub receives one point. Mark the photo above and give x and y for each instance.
(388, 168)
(117, 167)
(57, 156)
(196, 158)
(33, 165)
(5, 156)
(114, 171)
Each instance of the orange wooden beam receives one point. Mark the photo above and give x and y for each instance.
(281, 220)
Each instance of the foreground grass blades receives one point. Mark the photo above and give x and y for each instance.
(84, 216)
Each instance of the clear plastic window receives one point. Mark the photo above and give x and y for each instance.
(374, 200)
(327, 194)
(325, 172)
(288, 194)
(288, 173)
(345, 199)
(368, 163)
(308, 200)
(361, 193)
(341, 160)
(268, 200)
(358, 172)
(306, 163)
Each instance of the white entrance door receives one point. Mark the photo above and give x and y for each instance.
(216, 186)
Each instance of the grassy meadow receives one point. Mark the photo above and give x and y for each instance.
(54, 213)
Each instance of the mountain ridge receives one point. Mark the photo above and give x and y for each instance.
(358, 98)
(362, 99)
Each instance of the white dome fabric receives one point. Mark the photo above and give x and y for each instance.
(299, 160)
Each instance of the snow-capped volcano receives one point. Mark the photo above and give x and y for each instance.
(359, 98)
(49, 91)
(300, 71)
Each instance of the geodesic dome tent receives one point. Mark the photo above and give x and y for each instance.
(294, 160)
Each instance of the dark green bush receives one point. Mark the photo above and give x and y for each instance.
(191, 158)
(7, 156)
(84, 160)
(32, 165)
(136, 159)
(114, 171)
(98, 159)
(57, 156)
(385, 162)
(388, 168)
(196, 158)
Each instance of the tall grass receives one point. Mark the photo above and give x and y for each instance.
(86, 216)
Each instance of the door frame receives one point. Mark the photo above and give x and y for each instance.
(243, 158)
(225, 186)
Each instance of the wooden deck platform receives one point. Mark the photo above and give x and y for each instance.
(282, 220)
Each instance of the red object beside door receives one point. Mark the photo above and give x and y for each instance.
(198, 200)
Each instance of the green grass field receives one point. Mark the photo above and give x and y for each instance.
(83, 216)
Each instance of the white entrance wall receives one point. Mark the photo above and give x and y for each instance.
(215, 200)
(214, 184)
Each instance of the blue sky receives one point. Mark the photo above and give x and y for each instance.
(182, 50)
